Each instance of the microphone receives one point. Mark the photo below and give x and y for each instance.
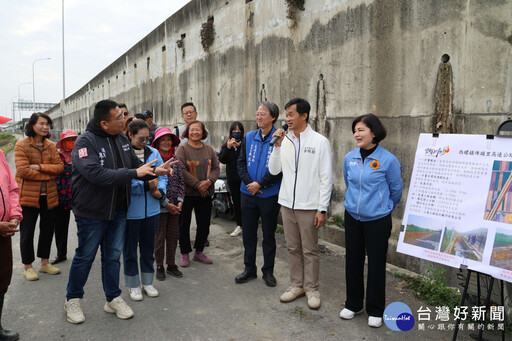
(275, 138)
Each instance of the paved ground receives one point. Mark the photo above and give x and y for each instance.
(205, 304)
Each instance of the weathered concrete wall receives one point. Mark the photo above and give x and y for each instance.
(346, 57)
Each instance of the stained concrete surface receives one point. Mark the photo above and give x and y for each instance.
(206, 304)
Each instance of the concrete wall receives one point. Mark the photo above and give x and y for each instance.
(347, 57)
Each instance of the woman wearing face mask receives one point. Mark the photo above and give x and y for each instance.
(63, 182)
(228, 155)
(142, 218)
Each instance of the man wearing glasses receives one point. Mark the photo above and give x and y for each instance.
(124, 109)
(104, 163)
(259, 190)
(189, 114)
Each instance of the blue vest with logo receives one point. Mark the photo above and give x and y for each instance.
(257, 154)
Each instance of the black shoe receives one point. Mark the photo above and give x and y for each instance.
(245, 277)
(160, 273)
(270, 280)
(207, 243)
(173, 271)
(8, 335)
(57, 259)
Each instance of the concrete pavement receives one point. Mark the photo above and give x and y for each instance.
(206, 304)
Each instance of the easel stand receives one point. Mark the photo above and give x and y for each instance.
(487, 302)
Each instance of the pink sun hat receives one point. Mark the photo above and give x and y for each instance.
(165, 131)
(66, 134)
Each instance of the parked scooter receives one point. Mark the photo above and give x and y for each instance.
(222, 201)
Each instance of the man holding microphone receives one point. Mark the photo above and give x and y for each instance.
(304, 158)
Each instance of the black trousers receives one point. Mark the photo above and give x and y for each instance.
(268, 209)
(28, 227)
(61, 230)
(372, 237)
(203, 211)
(5, 263)
(234, 188)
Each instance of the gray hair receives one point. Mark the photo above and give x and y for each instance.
(273, 108)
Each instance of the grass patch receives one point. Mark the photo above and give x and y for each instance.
(7, 141)
(280, 229)
(336, 220)
(432, 288)
(300, 312)
(7, 148)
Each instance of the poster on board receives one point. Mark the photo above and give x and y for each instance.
(459, 205)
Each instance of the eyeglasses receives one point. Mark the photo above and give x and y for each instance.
(120, 117)
(143, 140)
(125, 113)
(189, 112)
(261, 114)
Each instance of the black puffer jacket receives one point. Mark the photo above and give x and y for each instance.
(101, 177)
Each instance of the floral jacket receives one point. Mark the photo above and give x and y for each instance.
(175, 191)
(63, 182)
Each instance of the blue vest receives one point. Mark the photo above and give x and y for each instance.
(257, 154)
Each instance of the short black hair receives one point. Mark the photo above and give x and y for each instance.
(147, 114)
(302, 106)
(136, 125)
(122, 105)
(234, 125)
(205, 133)
(140, 116)
(375, 125)
(29, 126)
(102, 110)
(188, 104)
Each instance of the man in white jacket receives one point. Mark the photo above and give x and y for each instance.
(304, 157)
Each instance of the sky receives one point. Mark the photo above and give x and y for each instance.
(96, 33)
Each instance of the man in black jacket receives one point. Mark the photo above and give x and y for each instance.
(104, 164)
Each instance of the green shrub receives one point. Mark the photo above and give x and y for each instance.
(7, 142)
(432, 288)
(336, 220)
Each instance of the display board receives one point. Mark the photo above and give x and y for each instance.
(459, 205)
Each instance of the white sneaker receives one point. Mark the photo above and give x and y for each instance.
(119, 307)
(238, 231)
(348, 314)
(150, 290)
(74, 311)
(135, 294)
(374, 322)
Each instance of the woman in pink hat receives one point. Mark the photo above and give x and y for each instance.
(63, 182)
(167, 234)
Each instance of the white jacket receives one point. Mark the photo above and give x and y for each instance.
(308, 188)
